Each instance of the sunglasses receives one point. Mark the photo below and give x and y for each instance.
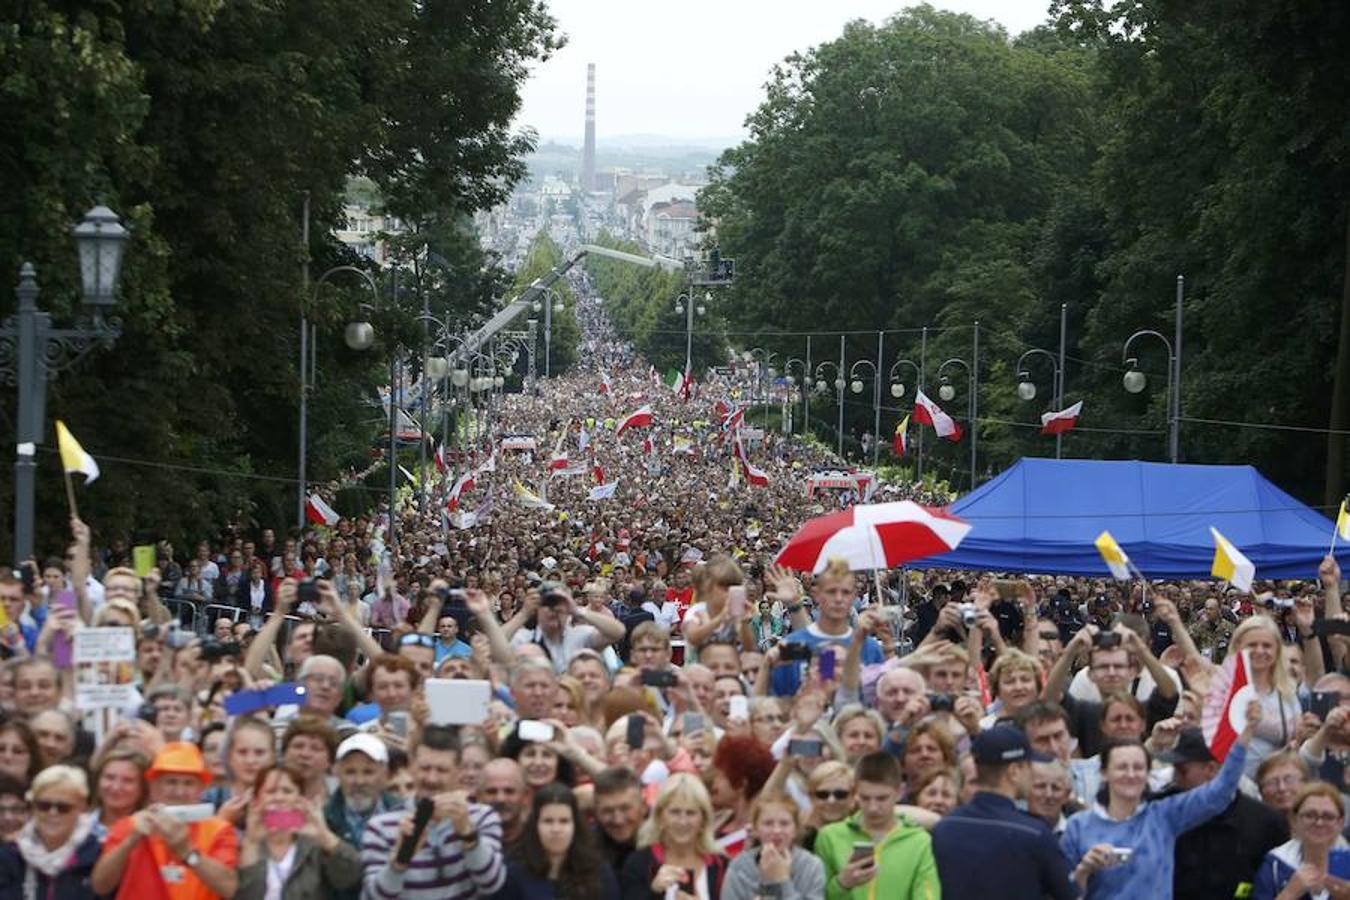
(417, 640)
(833, 795)
(56, 806)
(1049, 635)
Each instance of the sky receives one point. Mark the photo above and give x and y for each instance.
(695, 69)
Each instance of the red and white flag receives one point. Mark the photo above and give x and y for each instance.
(1062, 421)
(733, 419)
(557, 461)
(926, 412)
(753, 474)
(319, 512)
(605, 386)
(638, 418)
(720, 409)
(462, 484)
(439, 459)
(647, 446)
(598, 473)
(1224, 714)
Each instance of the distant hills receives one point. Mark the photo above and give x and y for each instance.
(637, 152)
(650, 142)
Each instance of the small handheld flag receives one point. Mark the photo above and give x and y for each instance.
(900, 442)
(1113, 556)
(1342, 528)
(1230, 564)
(73, 459)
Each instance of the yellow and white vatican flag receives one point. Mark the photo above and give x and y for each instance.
(1230, 564)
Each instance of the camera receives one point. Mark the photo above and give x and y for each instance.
(307, 591)
(551, 594)
(658, 678)
(941, 703)
(1106, 640)
(793, 651)
(452, 596)
(214, 650)
(969, 614)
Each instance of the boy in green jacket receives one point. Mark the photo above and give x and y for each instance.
(873, 854)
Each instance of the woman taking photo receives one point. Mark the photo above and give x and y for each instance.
(675, 847)
(1123, 846)
(710, 617)
(556, 857)
(54, 853)
(775, 820)
(288, 850)
(1316, 859)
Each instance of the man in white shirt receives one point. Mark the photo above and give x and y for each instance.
(554, 631)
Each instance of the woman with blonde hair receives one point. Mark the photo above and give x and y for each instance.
(710, 615)
(861, 731)
(1269, 677)
(676, 847)
(54, 853)
(830, 786)
(1015, 680)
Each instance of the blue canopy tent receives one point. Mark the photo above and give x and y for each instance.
(1042, 515)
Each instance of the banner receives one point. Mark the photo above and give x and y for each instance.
(105, 668)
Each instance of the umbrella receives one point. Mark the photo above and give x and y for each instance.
(873, 536)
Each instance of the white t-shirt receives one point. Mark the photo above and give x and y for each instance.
(574, 638)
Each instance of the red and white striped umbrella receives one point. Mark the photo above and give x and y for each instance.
(874, 536)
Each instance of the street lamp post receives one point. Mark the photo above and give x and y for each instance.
(551, 304)
(898, 393)
(687, 305)
(947, 392)
(856, 385)
(1026, 388)
(839, 385)
(801, 381)
(32, 352)
(763, 359)
(1135, 380)
(359, 336)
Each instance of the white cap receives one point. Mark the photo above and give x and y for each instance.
(365, 743)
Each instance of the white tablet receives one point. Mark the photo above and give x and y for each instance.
(454, 701)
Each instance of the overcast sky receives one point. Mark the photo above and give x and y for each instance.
(696, 68)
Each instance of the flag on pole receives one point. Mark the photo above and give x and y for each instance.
(605, 385)
(720, 409)
(1230, 564)
(319, 512)
(1343, 523)
(926, 412)
(439, 459)
(733, 419)
(557, 461)
(489, 465)
(583, 439)
(73, 457)
(406, 474)
(529, 499)
(603, 491)
(1115, 558)
(462, 484)
(1062, 421)
(598, 473)
(638, 418)
(900, 441)
(753, 474)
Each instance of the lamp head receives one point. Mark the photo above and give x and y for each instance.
(459, 376)
(856, 386)
(839, 383)
(1135, 381)
(679, 308)
(359, 335)
(897, 389)
(946, 391)
(1025, 389)
(437, 367)
(100, 240)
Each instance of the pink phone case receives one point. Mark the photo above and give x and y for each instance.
(284, 820)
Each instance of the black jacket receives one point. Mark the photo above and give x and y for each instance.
(1212, 859)
(635, 881)
(990, 848)
(72, 883)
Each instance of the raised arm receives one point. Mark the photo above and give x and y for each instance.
(1058, 680)
(1314, 666)
(80, 565)
(481, 607)
(1329, 573)
(332, 603)
(1162, 678)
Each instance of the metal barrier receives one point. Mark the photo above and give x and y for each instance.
(214, 611)
(185, 611)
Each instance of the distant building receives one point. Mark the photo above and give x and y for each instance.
(365, 229)
(671, 227)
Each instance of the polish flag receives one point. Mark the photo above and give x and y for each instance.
(926, 412)
(462, 484)
(1224, 713)
(605, 386)
(557, 461)
(638, 418)
(319, 512)
(753, 474)
(1062, 421)
(720, 409)
(598, 473)
(733, 419)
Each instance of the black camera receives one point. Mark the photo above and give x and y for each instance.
(1106, 640)
(214, 650)
(658, 678)
(452, 596)
(793, 651)
(307, 591)
(551, 594)
(941, 703)
(148, 713)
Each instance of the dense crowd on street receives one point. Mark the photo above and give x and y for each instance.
(665, 713)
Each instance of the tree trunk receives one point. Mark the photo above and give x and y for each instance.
(1340, 394)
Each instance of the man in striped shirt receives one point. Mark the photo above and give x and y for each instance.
(460, 854)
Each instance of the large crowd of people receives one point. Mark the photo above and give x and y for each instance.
(667, 714)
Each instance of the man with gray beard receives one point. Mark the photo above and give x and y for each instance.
(362, 770)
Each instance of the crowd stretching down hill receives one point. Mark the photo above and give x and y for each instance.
(574, 671)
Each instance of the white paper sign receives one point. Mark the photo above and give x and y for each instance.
(105, 668)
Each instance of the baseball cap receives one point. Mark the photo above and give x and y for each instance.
(1190, 747)
(1004, 744)
(365, 743)
(179, 758)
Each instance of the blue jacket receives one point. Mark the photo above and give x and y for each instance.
(990, 848)
(1281, 863)
(71, 883)
(1151, 833)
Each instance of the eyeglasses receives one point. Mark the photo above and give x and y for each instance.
(833, 795)
(1316, 818)
(56, 806)
(1282, 781)
(1049, 635)
(417, 640)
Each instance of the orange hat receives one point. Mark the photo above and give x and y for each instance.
(179, 758)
